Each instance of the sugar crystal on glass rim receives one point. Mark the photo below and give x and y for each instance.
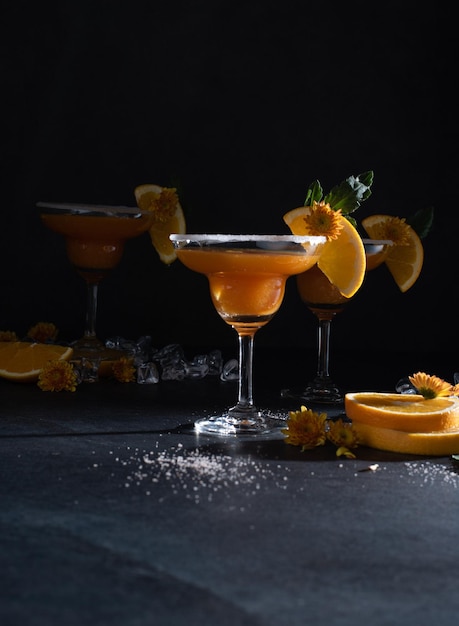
(90, 208)
(225, 238)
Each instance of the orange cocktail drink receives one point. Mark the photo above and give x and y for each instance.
(247, 287)
(321, 296)
(95, 243)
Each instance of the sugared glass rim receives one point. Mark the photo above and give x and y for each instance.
(378, 242)
(226, 238)
(71, 207)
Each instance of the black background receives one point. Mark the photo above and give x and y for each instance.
(243, 104)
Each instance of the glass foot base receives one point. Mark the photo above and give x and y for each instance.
(95, 355)
(92, 348)
(317, 395)
(255, 426)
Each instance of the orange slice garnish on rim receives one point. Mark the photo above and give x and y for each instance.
(404, 261)
(342, 260)
(168, 214)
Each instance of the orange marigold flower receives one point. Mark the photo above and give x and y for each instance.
(8, 335)
(124, 370)
(394, 229)
(343, 436)
(305, 428)
(164, 204)
(430, 386)
(43, 332)
(323, 220)
(57, 375)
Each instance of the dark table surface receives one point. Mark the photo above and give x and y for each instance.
(113, 511)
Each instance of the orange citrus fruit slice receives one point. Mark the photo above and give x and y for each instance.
(408, 424)
(168, 214)
(403, 412)
(22, 361)
(404, 260)
(342, 260)
(440, 443)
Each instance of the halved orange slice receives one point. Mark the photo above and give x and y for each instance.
(163, 202)
(404, 412)
(342, 260)
(405, 258)
(441, 443)
(22, 361)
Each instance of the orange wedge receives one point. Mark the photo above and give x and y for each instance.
(21, 361)
(342, 260)
(441, 443)
(169, 217)
(407, 413)
(403, 260)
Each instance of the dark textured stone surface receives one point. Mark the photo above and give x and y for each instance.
(114, 512)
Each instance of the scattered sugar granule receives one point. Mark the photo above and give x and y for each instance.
(431, 473)
(195, 473)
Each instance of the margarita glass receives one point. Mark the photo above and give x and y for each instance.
(247, 276)
(95, 237)
(325, 301)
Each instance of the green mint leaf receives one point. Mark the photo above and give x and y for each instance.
(350, 193)
(352, 221)
(314, 193)
(421, 221)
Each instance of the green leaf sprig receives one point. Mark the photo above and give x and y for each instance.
(350, 194)
(422, 221)
(347, 196)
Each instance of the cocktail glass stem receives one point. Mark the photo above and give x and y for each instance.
(91, 310)
(245, 406)
(322, 387)
(89, 345)
(323, 338)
